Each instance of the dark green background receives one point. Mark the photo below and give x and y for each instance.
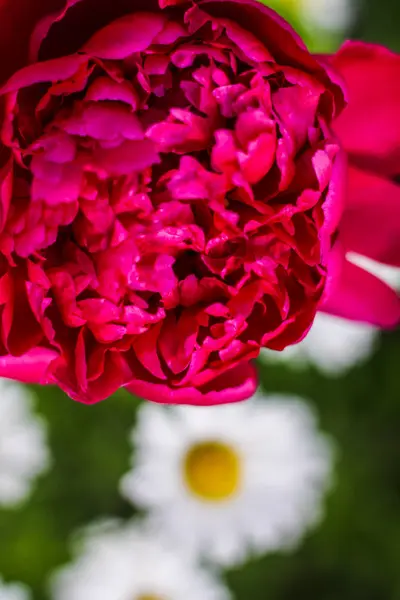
(354, 554)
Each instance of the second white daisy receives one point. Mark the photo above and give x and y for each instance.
(128, 562)
(222, 482)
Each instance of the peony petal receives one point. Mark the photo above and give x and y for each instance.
(335, 200)
(370, 126)
(43, 27)
(105, 88)
(5, 191)
(29, 368)
(113, 374)
(130, 156)
(359, 296)
(371, 222)
(282, 41)
(165, 3)
(56, 69)
(125, 36)
(52, 37)
(105, 121)
(235, 385)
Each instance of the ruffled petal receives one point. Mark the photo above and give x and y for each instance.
(44, 25)
(125, 36)
(370, 126)
(371, 222)
(166, 3)
(46, 71)
(29, 368)
(281, 39)
(235, 385)
(358, 295)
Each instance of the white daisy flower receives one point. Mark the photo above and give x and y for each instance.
(126, 562)
(224, 481)
(333, 346)
(13, 591)
(23, 450)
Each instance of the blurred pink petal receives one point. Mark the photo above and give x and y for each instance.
(371, 222)
(360, 296)
(370, 126)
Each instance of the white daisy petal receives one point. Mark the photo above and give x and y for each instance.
(333, 345)
(13, 591)
(130, 562)
(241, 478)
(23, 451)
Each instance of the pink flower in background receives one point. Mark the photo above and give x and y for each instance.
(172, 195)
(369, 130)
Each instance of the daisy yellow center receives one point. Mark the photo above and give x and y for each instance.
(212, 470)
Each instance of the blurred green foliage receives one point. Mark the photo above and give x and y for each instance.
(379, 22)
(353, 555)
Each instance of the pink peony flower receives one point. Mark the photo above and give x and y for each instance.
(171, 195)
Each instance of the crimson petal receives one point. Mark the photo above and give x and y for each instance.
(234, 385)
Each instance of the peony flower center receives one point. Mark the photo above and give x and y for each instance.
(212, 471)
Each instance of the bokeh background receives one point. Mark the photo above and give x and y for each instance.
(355, 552)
